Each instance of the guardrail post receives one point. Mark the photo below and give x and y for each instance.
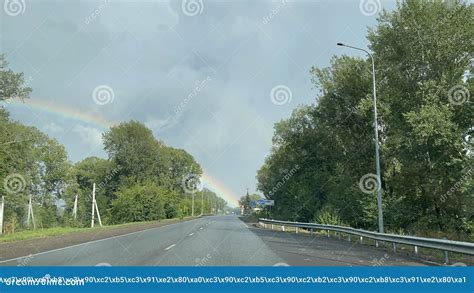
(394, 246)
(338, 235)
(272, 226)
(296, 230)
(349, 238)
(416, 251)
(328, 234)
(283, 228)
(361, 240)
(376, 243)
(446, 257)
(312, 232)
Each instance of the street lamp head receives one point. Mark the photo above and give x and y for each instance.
(340, 44)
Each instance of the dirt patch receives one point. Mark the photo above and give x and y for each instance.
(23, 248)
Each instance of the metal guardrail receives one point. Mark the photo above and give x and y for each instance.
(433, 243)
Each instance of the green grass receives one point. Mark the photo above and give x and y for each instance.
(59, 231)
(40, 233)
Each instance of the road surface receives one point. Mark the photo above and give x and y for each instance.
(213, 241)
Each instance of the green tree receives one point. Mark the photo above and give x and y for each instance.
(140, 202)
(423, 70)
(12, 85)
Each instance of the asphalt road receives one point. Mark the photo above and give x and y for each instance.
(214, 241)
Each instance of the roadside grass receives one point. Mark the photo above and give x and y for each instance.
(60, 231)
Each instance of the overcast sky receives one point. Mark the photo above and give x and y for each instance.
(210, 77)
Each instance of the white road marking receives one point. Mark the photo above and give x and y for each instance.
(200, 228)
(171, 246)
(191, 234)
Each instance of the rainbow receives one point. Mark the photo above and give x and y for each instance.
(102, 122)
(229, 196)
(57, 109)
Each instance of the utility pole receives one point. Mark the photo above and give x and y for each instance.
(202, 202)
(209, 204)
(192, 208)
(95, 208)
(74, 210)
(30, 214)
(1, 214)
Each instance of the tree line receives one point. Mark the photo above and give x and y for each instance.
(322, 161)
(142, 179)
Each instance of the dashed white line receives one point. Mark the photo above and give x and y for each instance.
(191, 234)
(171, 246)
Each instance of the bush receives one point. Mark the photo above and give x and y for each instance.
(140, 202)
(170, 211)
(328, 216)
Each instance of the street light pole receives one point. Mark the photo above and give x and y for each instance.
(376, 126)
